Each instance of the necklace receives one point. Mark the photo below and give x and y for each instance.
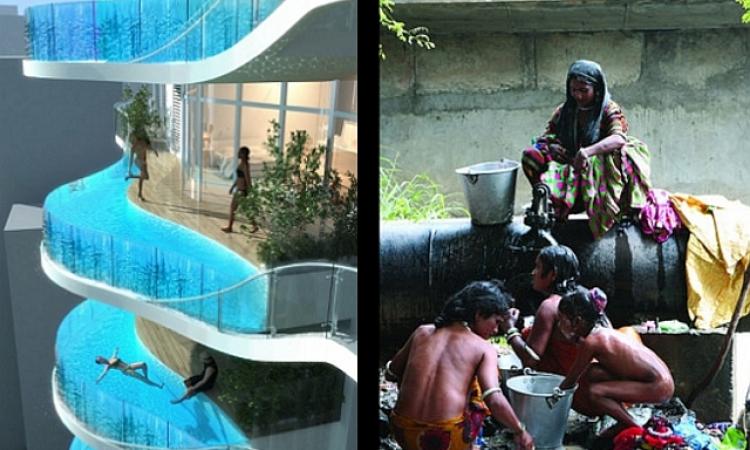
(585, 109)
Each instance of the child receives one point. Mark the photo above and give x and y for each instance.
(616, 368)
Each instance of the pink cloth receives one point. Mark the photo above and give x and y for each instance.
(658, 217)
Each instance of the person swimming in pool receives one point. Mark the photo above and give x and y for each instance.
(114, 362)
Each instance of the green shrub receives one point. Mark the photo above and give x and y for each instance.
(417, 199)
(274, 397)
(304, 215)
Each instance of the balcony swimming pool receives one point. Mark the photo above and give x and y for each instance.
(93, 230)
(147, 31)
(124, 408)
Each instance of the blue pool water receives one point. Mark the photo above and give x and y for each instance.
(93, 230)
(143, 31)
(124, 408)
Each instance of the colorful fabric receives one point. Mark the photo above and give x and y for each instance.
(658, 217)
(416, 435)
(452, 434)
(610, 182)
(718, 253)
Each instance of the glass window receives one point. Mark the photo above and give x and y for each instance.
(262, 92)
(346, 99)
(253, 133)
(191, 90)
(221, 91)
(345, 148)
(218, 146)
(316, 126)
(313, 95)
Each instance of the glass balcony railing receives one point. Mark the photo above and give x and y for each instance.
(115, 421)
(141, 31)
(297, 298)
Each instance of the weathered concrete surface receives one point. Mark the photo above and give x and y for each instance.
(522, 16)
(690, 357)
(481, 96)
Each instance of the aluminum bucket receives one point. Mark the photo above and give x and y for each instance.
(540, 408)
(490, 190)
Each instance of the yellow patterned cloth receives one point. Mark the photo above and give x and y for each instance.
(415, 435)
(718, 254)
(457, 433)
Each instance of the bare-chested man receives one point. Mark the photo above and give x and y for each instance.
(624, 370)
(438, 369)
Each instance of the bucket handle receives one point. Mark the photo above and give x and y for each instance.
(552, 400)
(528, 371)
(472, 178)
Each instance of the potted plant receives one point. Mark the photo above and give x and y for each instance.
(142, 119)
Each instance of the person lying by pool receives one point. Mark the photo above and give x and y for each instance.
(114, 362)
(201, 382)
(447, 371)
(617, 368)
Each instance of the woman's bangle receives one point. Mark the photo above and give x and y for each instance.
(510, 337)
(512, 330)
(389, 372)
(522, 427)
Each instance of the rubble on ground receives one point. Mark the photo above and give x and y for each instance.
(663, 427)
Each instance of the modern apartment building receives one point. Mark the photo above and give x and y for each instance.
(165, 294)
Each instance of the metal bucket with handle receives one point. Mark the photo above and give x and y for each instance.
(540, 404)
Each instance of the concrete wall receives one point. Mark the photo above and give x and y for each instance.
(39, 306)
(53, 132)
(481, 97)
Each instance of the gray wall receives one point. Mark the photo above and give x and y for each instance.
(53, 132)
(39, 306)
(481, 97)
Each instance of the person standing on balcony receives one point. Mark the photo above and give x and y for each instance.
(201, 382)
(139, 145)
(114, 362)
(240, 187)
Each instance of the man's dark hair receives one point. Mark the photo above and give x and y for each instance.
(564, 262)
(483, 297)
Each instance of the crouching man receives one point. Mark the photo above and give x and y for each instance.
(446, 369)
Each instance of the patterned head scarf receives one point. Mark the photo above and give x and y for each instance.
(567, 125)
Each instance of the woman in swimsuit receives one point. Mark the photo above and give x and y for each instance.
(241, 185)
(114, 362)
(139, 144)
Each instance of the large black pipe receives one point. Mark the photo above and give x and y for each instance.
(422, 264)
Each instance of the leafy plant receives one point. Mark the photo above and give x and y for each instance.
(143, 120)
(274, 397)
(746, 5)
(419, 198)
(416, 35)
(305, 216)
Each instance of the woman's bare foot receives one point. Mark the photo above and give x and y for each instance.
(143, 199)
(226, 229)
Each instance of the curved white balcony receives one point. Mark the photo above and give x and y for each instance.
(275, 341)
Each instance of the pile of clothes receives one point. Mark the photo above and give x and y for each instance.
(687, 434)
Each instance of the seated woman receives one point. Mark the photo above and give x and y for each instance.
(586, 157)
(616, 368)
